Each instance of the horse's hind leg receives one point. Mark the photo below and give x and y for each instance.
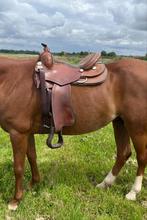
(31, 154)
(19, 144)
(123, 152)
(140, 144)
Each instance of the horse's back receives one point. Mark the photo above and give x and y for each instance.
(130, 73)
(128, 65)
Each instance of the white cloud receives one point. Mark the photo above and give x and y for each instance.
(74, 25)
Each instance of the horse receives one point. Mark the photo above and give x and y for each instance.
(121, 99)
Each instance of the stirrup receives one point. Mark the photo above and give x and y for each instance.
(50, 138)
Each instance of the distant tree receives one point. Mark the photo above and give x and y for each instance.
(62, 53)
(145, 57)
(18, 51)
(111, 54)
(83, 53)
(103, 53)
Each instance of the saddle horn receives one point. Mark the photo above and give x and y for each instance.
(45, 47)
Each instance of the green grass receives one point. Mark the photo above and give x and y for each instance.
(68, 178)
(66, 58)
(21, 56)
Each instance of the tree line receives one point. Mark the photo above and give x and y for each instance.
(84, 53)
(62, 53)
(18, 51)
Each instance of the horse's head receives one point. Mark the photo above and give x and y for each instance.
(46, 57)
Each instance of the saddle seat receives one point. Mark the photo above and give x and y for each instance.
(55, 80)
(63, 74)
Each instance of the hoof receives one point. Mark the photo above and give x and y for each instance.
(131, 196)
(13, 205)
(30, 185)
(102, 185)
(33, 183)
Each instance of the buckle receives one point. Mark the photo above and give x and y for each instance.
(46, 126)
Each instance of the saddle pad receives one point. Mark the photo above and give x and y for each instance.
(61, 107)
(62, 74)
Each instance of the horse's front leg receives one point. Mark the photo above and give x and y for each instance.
(19, 144)
(31, 154)
(123, 152)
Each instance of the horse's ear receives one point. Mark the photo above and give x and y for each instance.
(45, 47)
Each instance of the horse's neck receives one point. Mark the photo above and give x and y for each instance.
(29, 64)
(16, 72)
(13, 65)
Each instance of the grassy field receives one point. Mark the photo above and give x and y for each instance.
(68, 178)
(71, 59)
(17, 55)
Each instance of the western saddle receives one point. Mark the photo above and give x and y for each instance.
(54, 79)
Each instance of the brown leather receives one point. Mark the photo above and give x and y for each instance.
(94, 72)
(93, 81)
(58, 79)
(46, 57)
(62, 74)
(62, 107)
(89, 61)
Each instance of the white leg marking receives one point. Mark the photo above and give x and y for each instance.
(107, 182)
(12, 207)
(136, 188)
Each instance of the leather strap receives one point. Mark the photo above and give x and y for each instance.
(47, 112)
(44, 94)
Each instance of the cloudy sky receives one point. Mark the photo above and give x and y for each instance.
(75, 25)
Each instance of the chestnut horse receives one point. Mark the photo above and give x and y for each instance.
(121, 99)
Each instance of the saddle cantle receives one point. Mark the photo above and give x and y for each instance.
(89, 61)
(54, 79)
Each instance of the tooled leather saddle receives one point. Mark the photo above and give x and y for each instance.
(54, 79)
